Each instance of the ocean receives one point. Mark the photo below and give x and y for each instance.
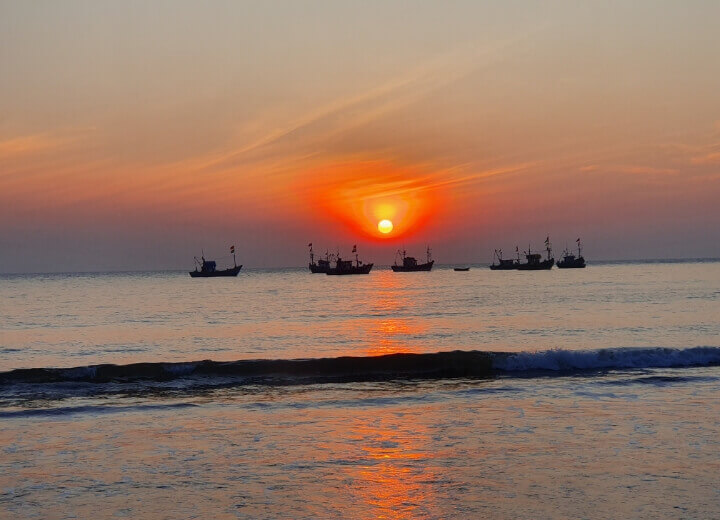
(280, 394)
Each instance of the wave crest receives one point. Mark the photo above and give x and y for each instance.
(440, 365)
(605, 359)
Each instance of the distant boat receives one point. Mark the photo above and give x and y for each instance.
(461, 269)
(505, 264)
(208, 268)
(410, 264)
(343, 267)
(322, 266)
(571, 261)
(535, 261)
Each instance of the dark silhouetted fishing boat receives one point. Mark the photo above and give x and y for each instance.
(343, 267)
(322, 266)
(208, 268)
(461, 269)
(410, 264)
(505, 264)
(535, 261)
(570, 261)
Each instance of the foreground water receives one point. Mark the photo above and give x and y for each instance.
(588, 394)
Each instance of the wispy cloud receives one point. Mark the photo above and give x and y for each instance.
(646, 170)
(381, 187)
(708, 158)
(31, 144)
(589, 168)
(314, 130)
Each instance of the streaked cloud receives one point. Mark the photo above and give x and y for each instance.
(31, 144)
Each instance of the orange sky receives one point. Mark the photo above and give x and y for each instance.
(133, 135)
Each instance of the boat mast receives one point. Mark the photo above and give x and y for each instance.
(312, 256)
(548, 247)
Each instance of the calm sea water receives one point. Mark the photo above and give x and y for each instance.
(599, 398)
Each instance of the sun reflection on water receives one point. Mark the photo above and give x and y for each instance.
(392, 484)
(392, 330)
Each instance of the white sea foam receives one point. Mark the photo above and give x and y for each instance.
(655, 357)
(80, 372)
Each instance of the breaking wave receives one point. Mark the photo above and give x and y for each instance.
(607, 359)
(441, 365)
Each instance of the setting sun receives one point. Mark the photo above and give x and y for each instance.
(385, 226)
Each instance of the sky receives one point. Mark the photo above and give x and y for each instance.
(135, 134)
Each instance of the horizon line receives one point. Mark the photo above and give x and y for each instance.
(259, 268)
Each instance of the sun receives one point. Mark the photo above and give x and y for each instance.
(385, 226)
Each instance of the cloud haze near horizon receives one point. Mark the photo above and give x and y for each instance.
(132, 135)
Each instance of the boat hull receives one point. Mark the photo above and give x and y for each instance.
(540, 266)
(318, 269)
(577, 263)
(233, 271)
(356, 269)
(461, 269)
(496, 267)
(408, 269)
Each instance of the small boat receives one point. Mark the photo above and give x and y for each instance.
(535, 261)
(505, 264)
(208, 268)
(410, 264)
(571, 261)
(343, 267)
(463, 269)
(322, 266)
